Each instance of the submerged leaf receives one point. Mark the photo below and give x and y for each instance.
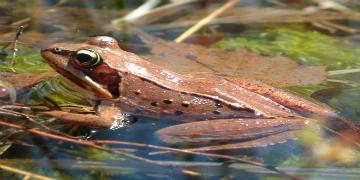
(25, 80)
(93, 153)
(13, 83)
(42, 87)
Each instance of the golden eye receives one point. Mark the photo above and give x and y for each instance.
(87, 58)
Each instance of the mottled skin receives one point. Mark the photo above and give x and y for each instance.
(124, 82)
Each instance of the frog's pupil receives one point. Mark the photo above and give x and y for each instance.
(84, 58)
(87, 58)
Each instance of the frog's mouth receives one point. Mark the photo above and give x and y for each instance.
(60, 63)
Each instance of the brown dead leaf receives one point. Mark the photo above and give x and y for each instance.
(200, 61)
(25, 80)
(20, 82)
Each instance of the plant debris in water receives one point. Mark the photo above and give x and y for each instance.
(307, 47)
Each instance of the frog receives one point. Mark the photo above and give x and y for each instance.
(211, 109)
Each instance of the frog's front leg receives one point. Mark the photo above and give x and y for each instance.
(245, 133)
(107, 116)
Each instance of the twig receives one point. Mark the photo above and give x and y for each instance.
(219, 156)
(333, 27)
(81, 142)
(22, 22)
(4, 110)
(204, 21)
(19, 31)
(346, 82)
(330, 4)
(25, 173)
(342, 72)
(140, 11)
(162, 11)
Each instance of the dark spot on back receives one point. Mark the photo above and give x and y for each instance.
(167, 101)
(219, 105)
(179, 112)
(137, 92)
(191, 57)
(216, 112)
(153, 103)
(185, 103)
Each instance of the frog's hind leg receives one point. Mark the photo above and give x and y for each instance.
(236, 133)
(254, 143)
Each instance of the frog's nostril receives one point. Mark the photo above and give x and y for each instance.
(57, 50)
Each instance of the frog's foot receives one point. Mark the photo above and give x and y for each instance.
(240, 133)
(89, 120)
(110, 112)
(108, 116)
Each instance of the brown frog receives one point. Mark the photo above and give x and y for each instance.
(227, 109)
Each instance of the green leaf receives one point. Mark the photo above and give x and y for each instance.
(27, 60)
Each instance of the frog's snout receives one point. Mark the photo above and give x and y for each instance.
(50, 52)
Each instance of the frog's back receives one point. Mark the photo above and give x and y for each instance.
(146, 88)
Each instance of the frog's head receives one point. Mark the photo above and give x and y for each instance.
(87, 64)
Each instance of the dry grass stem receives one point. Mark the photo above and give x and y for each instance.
(206, 20)
(26, 174)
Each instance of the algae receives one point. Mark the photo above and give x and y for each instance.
(27, 60)
(304, 46)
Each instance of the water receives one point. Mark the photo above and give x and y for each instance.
(308, 157)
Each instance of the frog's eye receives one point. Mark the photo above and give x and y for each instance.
(87, 58)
